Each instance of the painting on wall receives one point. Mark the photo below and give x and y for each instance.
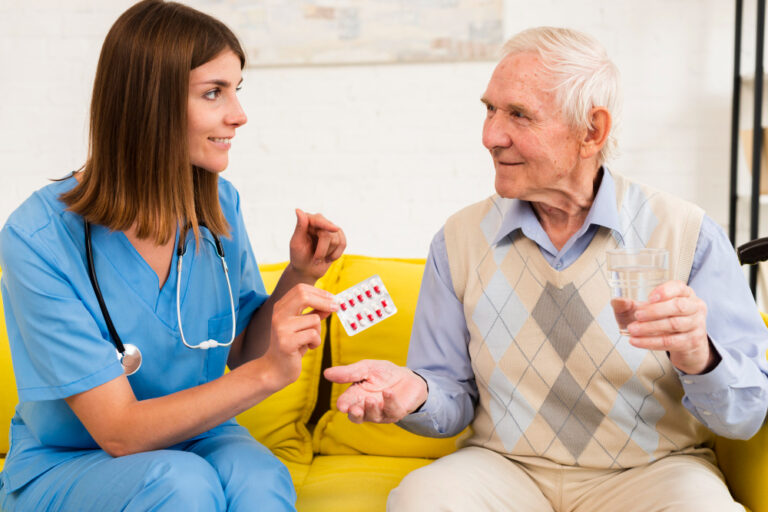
(309, 32)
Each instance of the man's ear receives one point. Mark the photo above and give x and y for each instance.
(597, 134)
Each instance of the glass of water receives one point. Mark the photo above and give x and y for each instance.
(632, 275)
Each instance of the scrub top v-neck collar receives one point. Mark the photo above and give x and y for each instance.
(114, 248)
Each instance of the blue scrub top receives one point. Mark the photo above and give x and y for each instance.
(59, 341)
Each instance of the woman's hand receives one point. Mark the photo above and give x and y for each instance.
(293, 332)
(315, 244)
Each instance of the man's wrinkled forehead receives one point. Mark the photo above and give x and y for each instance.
(519, 80)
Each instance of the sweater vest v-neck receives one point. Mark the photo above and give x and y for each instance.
(555, 377)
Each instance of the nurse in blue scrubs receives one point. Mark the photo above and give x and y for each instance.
(129, 286)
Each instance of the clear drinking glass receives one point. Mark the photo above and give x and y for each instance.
(632, 275)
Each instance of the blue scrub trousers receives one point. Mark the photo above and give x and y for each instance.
(223, 472)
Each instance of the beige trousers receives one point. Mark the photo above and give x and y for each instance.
(476, 479)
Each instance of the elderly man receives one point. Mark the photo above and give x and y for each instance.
(515, 334)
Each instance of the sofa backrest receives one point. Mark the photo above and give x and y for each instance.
(8, 396)
(282, 421)
(335, 434)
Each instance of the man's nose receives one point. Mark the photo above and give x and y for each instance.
(496, 133)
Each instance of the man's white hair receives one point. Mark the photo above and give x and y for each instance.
(584, 76)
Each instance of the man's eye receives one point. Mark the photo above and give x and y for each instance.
(490, 108)
(212, 94)
(517, 114)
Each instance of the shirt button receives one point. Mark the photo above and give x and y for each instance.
(706, 413)
(687, 381)
(559, 264)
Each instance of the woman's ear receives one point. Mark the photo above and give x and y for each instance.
(597, 134)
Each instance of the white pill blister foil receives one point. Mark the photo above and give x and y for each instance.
(364, 305)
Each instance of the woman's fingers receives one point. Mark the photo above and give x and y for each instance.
(341, 245)
(302, 222)
(323, 242)
(300, 331)
(304, 296)
(318, 222)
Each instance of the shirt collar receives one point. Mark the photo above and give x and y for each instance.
(603, 212)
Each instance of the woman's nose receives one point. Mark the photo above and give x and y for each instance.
(237, 115)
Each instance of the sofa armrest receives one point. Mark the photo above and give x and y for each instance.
(745, 466)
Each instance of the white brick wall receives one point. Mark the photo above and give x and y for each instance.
(387, 151)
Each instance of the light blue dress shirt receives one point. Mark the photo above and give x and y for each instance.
(60, 345)
(731, 400)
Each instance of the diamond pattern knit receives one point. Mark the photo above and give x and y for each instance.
(555, 377)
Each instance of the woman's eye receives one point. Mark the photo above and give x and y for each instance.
(239, 88)
(212, 94)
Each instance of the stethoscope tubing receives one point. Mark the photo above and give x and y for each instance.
(180, 250)
(95, 283)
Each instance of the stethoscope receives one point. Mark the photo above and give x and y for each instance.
(129, 354)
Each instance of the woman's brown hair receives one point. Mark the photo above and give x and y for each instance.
(138, 169)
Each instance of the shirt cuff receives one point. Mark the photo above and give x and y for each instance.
(719, 378)
(422, 420)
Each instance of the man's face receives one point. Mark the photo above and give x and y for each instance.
(534, 150)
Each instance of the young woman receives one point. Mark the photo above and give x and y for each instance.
(129, 285)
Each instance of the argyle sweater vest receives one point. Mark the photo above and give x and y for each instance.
(555, 378)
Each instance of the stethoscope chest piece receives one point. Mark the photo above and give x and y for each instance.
(130, 359)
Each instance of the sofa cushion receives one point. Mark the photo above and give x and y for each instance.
(353, 483)
(279, 422)
(8, 396)
(335, 434)
(298, 472)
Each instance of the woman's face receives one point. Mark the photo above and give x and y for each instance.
(214, 112)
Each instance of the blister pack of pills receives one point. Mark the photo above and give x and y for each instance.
(363, 305)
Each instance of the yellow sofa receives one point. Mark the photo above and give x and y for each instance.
(339, 466)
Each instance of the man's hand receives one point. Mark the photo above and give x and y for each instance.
(315, 244)
(675, 320)
(382, 392)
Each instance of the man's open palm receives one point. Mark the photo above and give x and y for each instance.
(381, 391)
